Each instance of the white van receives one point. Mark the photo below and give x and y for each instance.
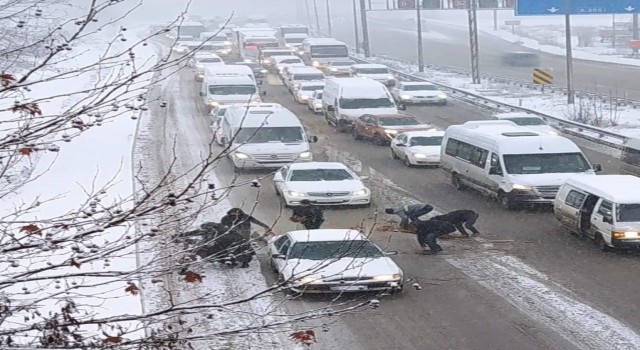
(235, 69)
(346, 99)
(296, 75)
(604, 208)
(377, 72)
(229, 89)
(294, 40)
(509, 162)
(265, 136)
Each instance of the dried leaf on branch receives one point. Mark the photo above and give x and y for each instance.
(31, 109)
(7, 79)
(133, 289)
(31, 229)
(191, 277)
(307, 337)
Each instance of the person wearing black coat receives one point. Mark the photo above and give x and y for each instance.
(428, 232)
(311, 216)
(240, 222)
(460, 217)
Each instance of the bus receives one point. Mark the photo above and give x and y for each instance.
(318, 52)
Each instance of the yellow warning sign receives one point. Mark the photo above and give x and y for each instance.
(542, 76)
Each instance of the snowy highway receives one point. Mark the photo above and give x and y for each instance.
(447, 45)
(470, 296)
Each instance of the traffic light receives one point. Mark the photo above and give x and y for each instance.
(406, 4)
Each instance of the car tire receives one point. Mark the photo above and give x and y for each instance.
(505, 201)
(443, 103)
(407, 162)
(355, 134)
(275, 188)
(343, 128)
(326, 119)
(379, 140)
(394, 155)
(455, 181)
(601, 243)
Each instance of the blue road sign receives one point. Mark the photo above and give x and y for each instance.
(575, 7)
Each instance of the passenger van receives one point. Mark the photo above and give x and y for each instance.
(318, 52)
(294, 76)
(605, 208)
(511, 163)
(346, 99)
(228, 89)
(264, 136)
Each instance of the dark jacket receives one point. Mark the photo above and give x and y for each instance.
(241, 224)
(430, 226)
(311, 213)
(457, 216)
(414, 211)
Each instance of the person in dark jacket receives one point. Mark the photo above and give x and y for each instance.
(310, 215)
(460, 217)
(428, 232)
(240, 222)
(409, 213)
(217, 243)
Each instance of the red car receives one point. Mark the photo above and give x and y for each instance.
(381, 129)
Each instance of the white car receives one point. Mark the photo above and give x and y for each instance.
(280, 62)
(339, 67)
(315, 102)
(322, 183)
(333, 261)
(305, 90)
(217, 115)
(528, 121)
(418, 147)
(377, 72)
(419, 93)
(201, 61)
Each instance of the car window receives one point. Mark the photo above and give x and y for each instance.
(606, 209)
(283, 172)
(575, 199)
(320, 175)
(402, 138)
(495, 162)
(364, 118)
(284, 249)
(279, 243)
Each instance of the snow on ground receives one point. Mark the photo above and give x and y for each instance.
(63, 182)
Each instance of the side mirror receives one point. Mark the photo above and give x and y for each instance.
(495, 170)
(313, 139)
(331, 108)
(402, 107)
(391, 252)
(365, 177)
(201, 94)
(400, 145)
(260, 82)
(608, 219)
(263, 93)
(277, 177)
(597, 167)
(278, 256)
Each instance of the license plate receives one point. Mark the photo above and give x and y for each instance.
(328, 201)
(350, 288)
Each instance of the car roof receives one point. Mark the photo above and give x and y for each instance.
(614, 188)
(424, 133)
(369, 65)
(316, 165)
(326, 235)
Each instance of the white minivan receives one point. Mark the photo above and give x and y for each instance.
(347, 99)
(264, 136)
(604, 208)
(511, 163)
(228, 89)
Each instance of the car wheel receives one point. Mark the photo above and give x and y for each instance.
(275, 188)
(326, 119)
(343, 128)
(407, 162)
(355, 134)
(394, 155)
(443, 103)
(273, 266)
(505, 201)
(455, 181)
(601, 243)
(379, 140)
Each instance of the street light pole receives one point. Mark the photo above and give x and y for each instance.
(570, 93)
(355, 25)
(420, 50)
(315, 10)
(365, 29)
(473, 42)
(328, 18)
(306, 7)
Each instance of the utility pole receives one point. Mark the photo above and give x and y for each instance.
(570, 93)
(306, 6)
(315, 10)
(355, 26)
(420, 50)
(365, 29)
(328, 18)
(636, 32)
(473, 41)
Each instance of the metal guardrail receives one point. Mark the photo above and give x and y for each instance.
(567, 126)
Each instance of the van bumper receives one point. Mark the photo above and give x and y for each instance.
(633, 243)
(529, 198)
(258, 164)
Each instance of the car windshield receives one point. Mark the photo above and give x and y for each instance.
(329, 51)
(527, 121)
(545, 163)
(250, 65)
(328, 250)
(419, 88)
(318, 95)
(291, 60)
(209, 60)
(232, 89)
(426, 141)
(312, 87)
(294, 40)
(320, 175)
(355, 103)
(628, 212)
(308, 77)
(372, 71)
(269, 134)
(398, 121)
(222, 111)
(341, 64)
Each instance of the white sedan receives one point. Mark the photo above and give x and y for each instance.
(305, 90)
(315, 102)
(410, 92)
(333, 261)
(528, 121)
(322, 183)
(418, 147)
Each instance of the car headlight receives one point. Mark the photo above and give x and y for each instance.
(391, 132)
(334, 69)
(442, 96)
(406, 97)
(227, 43)
(264, 71)
(315, 63)
(213, 103)
(305, 155)
(295, 86)
(220, 132)
(248, 60)
(521, 187)
(624, 234)
(419, 155)
(391, 77)
(287, 45)
(239, 155)
(394, 277)
(317, 104)
(296, 194)
(362, 192)
(304, 97)
(267, 61)
(300, 52)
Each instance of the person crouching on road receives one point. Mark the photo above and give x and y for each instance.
(409, 213)
(460, 217)
(239, 222)
(309, 215)
(428, 232)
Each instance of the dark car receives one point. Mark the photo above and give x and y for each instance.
(521, 59)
